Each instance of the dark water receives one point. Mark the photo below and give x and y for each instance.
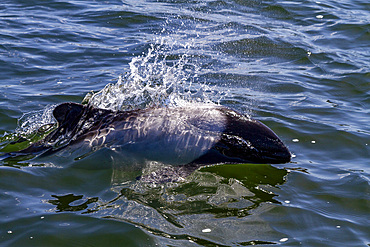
(301, 67)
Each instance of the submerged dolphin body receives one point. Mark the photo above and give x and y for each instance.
(195, 134)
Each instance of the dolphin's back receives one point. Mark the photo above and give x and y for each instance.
(172, 135)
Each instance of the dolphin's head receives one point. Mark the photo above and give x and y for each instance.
(247, 140)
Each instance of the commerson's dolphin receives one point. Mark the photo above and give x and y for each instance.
(193, 134)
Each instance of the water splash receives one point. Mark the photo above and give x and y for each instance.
(154, 80)
(165, 76)
(32, 127)
(36, 121)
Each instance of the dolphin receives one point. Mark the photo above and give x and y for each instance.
(191, 134)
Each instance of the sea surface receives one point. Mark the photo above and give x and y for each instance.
(300, 67)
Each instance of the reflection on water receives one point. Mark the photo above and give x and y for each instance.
(195, 208)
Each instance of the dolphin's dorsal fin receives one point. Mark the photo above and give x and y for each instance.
(68, 116)
(67, 113)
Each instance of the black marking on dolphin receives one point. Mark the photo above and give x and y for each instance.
(193, 134)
